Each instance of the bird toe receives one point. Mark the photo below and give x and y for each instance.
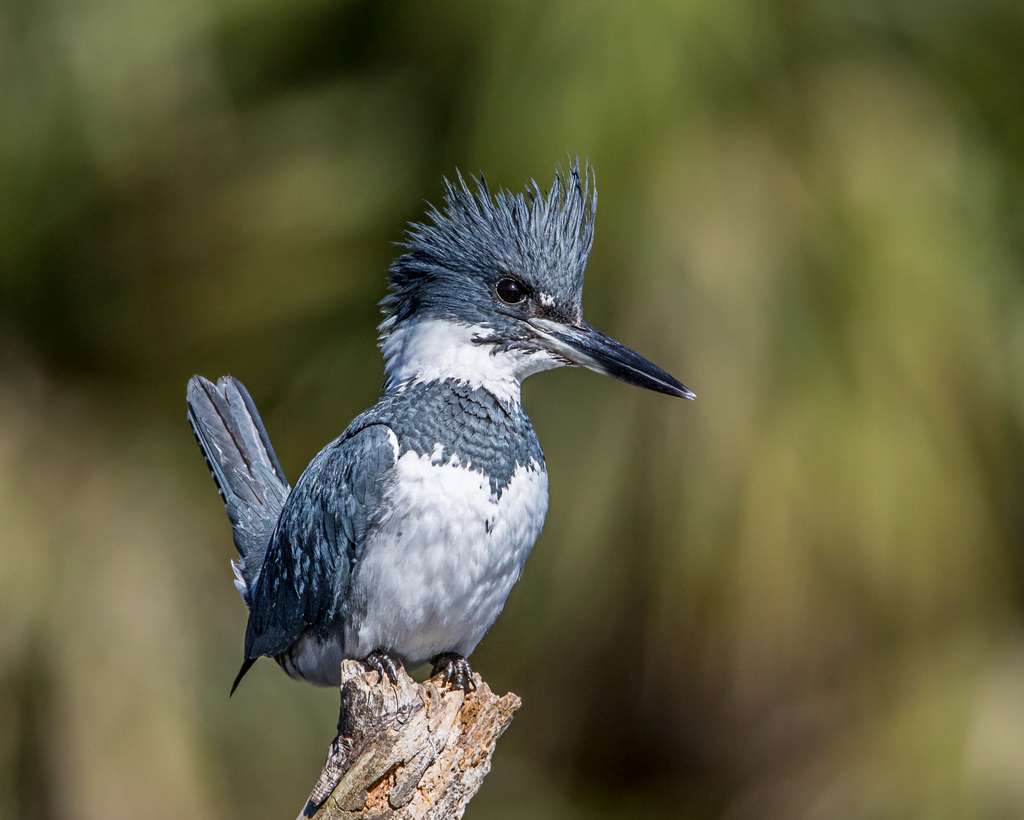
(383, 664)
(454, 671)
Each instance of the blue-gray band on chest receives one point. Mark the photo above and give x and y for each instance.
(468, 422)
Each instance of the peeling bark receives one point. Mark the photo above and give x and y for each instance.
(407, 751)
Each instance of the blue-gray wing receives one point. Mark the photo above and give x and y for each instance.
(319, 537)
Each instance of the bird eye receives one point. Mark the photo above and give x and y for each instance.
(510, 291)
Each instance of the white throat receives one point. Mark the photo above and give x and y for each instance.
(428, 350)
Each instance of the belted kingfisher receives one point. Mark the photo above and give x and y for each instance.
(402, 539)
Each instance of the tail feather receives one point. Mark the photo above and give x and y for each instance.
(246, 666)
(244, 466)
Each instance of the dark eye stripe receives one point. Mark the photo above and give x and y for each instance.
(510, 291)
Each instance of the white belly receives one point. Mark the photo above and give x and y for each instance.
(443, 559)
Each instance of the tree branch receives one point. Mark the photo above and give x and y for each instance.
(407, 751)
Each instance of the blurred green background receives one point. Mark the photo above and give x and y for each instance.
(801, 596)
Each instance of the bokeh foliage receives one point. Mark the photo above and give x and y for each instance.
(799, 597)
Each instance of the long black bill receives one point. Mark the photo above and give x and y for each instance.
(586, 346)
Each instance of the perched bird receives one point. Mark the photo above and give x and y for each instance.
(402, 539)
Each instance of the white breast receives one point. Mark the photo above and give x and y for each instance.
(438, 569)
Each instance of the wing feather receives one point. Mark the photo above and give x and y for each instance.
(319, 536)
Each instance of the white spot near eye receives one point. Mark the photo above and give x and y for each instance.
(547, 300)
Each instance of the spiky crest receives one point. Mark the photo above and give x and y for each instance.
(452, 262)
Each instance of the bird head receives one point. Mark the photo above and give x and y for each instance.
(491, 290)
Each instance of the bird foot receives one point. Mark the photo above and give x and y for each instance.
(454, 671)
(383, 664)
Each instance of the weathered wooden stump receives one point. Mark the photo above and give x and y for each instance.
(407, 751)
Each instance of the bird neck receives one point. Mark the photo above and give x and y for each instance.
(428, 350)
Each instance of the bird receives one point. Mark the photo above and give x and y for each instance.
(401, 540)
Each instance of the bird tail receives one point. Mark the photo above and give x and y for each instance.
(248, 475)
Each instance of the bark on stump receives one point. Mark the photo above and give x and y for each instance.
(407, 751)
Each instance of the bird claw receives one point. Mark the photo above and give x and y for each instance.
(454, 671)
(383, 664)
